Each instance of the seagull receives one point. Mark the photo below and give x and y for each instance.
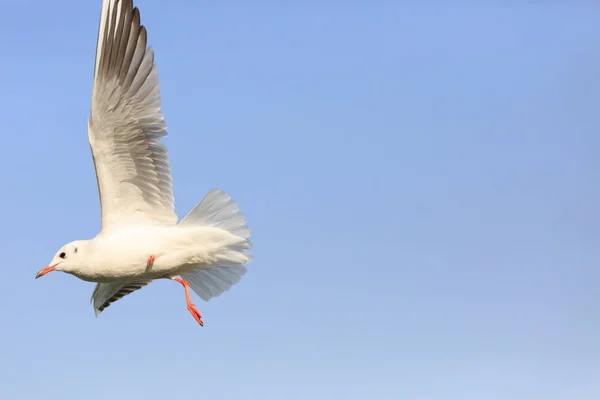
(140, 239)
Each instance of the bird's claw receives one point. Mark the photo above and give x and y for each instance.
(195, 313)
(150, 262)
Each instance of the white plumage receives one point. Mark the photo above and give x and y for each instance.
(140, 239)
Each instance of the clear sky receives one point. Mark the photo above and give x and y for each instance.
(422, 185)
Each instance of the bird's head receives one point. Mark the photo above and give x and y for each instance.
(67, 259)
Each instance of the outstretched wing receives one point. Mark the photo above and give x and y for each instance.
(126, 124)
(107, 293)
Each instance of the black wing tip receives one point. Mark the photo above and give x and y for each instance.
(144, 34)
(122, 19)
(124, 291)
(136, 16)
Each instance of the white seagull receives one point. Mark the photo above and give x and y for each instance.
(140, 239)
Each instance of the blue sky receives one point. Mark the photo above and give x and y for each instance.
(421, 182)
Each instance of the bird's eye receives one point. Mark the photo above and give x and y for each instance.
(63, 255)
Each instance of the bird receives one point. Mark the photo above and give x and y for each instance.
(141, 238)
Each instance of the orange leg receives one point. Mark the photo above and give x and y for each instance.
(191, 308)
(150, 262)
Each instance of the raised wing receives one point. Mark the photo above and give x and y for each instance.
(107, 293)
(126, 124)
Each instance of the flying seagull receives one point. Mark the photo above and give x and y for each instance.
(141, 239)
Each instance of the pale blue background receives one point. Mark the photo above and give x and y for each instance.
(422, 186)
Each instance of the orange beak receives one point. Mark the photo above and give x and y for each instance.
(45, 271)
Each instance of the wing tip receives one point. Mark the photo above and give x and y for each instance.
(117, 17)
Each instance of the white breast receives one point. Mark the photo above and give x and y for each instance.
(124, 254)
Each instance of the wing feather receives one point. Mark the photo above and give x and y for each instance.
(126, 124)
(107, 293)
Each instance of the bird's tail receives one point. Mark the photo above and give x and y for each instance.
(217, 209)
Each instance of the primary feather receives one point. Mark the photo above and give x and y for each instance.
(107, 293)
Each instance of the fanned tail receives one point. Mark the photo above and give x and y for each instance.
(217, 209)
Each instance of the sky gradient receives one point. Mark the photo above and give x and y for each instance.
(421, 184)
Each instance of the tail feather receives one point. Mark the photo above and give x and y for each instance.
(217, 209)
(209, 283)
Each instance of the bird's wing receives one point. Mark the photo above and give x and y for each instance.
(107, 293)
(126, 124)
